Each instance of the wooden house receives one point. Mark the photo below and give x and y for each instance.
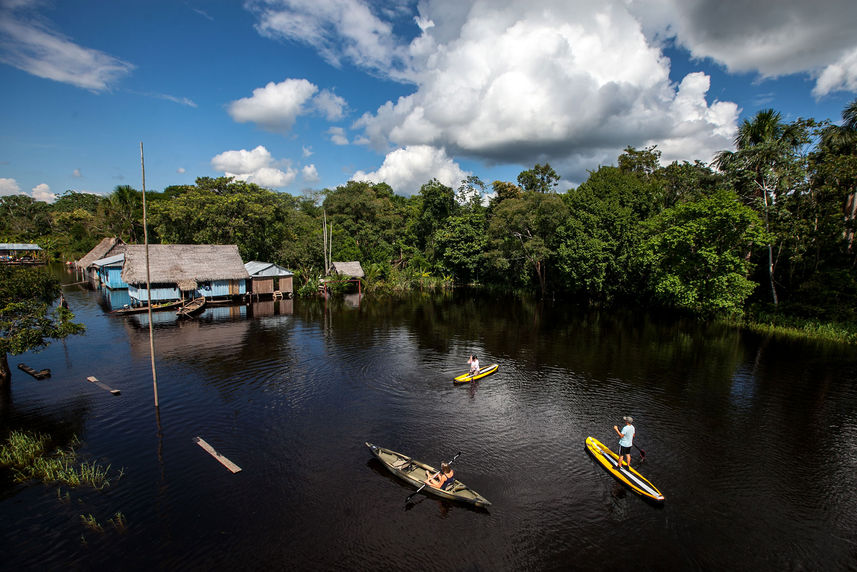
(180, 271)
(107, 247)
(109, 271)
(264, 275)
(19, 252)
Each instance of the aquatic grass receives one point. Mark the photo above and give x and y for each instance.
(91, 523)
(118, 521)
(27, 455)
(796, 328)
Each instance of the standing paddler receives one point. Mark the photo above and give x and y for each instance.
(626, 440)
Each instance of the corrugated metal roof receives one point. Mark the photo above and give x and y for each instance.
(110, 260)
(18, 246)
(256, 268)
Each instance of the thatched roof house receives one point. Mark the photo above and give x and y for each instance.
(107, 246)
(186, 265)
(352, 269)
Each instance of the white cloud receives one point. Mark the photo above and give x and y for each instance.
(42, 192)
(337, 135)
(306, 150)
(181, 170)
(408, 169)
(256, 166)
(838, 76)
(275, 106)
(76, 174)
(340, 30)
(9, 187)
(546, 81)
(330, 105)
(310, 174)
(30, 45)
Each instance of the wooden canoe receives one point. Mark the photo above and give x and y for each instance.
(626, 475)
(414, 472)
(142, 309)
(41, 374)
(193, 307)
(483, 371)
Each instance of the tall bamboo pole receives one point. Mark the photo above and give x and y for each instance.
(148, 281)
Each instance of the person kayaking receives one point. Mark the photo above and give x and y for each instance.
(626, 440)
(442, 480)
(474, 364)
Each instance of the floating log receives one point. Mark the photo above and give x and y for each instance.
(93, 379)
(42, 374)
(223, 460)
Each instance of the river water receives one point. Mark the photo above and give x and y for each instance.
(752, 440)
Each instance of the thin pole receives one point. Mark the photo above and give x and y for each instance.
(148, 281)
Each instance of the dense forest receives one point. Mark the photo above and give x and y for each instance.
(766, 229)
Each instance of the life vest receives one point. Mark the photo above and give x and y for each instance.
(448, 481)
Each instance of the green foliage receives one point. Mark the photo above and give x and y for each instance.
(695, 254)
(540, 179)
(26, 321)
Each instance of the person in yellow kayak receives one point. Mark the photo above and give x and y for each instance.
(626, 439)
(474, 364)
(442, 480)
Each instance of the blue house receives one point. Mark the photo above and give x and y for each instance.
(109, 271)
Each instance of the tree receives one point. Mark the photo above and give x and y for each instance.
(26, 321)
(122, 213)
(766, 162)
(693, 254)
(541, 179)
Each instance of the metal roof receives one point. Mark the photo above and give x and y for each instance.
(18, 246)
(256, 268)
(110, 260)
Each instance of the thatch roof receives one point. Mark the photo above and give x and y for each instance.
(102, 249)
(183, 264)
(352, 269)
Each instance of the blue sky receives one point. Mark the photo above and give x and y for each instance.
(300, 95)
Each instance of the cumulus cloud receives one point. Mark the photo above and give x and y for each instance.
(749, 36)
(277, 106)
(9, 187)
(310, 174)
(838, 76)
(29, 44)
(255, 166)
(337, 135)
(42, 192)
(409, 168)
(547, 81)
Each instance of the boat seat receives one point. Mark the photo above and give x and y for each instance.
(400, 464)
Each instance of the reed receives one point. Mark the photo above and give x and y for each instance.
(26, 453)
(91, 523)
(118, 521)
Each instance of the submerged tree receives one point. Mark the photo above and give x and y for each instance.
(27, 321)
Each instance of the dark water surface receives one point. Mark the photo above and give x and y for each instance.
(753, 441)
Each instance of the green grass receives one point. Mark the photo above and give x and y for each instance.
(29, 457)
(798, 328)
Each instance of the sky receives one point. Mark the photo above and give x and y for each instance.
(302, 95)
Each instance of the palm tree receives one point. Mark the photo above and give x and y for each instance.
(765, 148)
(841, 140)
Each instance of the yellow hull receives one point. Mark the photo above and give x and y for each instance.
(627, 475)
(487, 370)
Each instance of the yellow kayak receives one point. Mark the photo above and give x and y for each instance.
(627, 475)
(487, 370)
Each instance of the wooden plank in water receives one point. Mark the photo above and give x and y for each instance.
(37, 374)
(93, 379)
(223, 460)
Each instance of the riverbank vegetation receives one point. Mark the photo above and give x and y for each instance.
(29, 456)
(764, 235)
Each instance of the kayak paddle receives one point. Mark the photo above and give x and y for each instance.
(407, 500)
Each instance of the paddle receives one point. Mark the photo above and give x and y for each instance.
(407, 500)
(642, 453)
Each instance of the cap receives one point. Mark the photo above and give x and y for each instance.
(628, 418)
